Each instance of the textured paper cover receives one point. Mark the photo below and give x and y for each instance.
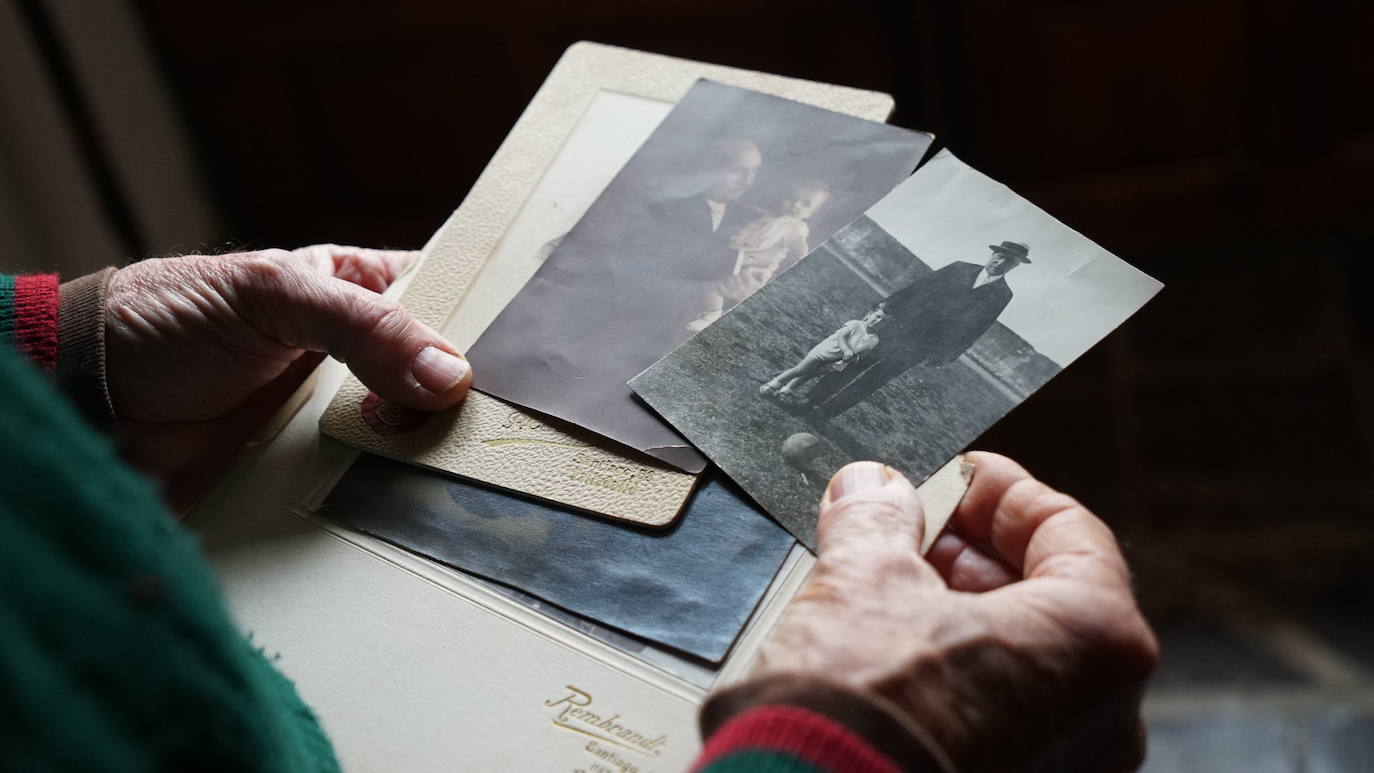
(501, 445)
(560, 464)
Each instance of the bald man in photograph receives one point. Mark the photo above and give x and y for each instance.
(684, 241)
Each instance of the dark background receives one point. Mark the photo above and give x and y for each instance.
(1223, 147)
(1142, 124)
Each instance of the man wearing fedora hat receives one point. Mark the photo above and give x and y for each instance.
(930, 321)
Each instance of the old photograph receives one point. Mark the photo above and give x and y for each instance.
(730, 190)
(607, 135)
(690, 587)
(901, 339)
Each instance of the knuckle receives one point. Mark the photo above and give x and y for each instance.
(895, 565)
(826, 589)
(864, 566)
(883, 506)
(272, 257)
(1024, 493)
(380, 317)
(362, 322)
(1029, 499)
(265, 267)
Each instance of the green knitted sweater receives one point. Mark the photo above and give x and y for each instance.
(116, 651)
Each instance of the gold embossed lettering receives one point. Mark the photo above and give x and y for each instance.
(519, 421)
(572, 714)
(611, 756)
(570, 702)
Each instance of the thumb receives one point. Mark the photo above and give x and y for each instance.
(871, 521)
(396, 356)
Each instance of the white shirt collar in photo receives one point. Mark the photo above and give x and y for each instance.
(983, 278)
(717, 213)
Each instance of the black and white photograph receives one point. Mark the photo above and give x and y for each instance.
(901, 339)
(730, 190)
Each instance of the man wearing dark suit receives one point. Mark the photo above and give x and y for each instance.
(929, 322)
(629, 276)
(681, 244)
(619, 290)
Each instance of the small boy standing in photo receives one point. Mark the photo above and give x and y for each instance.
(837, 350)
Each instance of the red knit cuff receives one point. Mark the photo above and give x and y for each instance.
(35, 318)
(867, 716)
(803, 735)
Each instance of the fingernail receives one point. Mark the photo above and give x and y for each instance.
(858, 476)
(437, 370)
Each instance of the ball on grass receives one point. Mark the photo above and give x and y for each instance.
(801, 449)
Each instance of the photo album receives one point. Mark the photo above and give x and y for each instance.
(689, 294)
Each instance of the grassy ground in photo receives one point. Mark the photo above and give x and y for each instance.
(709, 390)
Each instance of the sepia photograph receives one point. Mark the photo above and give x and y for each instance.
(604, 138)
(689, 587)
(900, 339)
(730, 190)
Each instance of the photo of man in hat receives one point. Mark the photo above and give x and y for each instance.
(930, 321)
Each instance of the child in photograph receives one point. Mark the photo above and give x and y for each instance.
(766, 246)
(838, 350)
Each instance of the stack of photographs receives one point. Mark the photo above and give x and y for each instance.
(766, 285)
(730, 189)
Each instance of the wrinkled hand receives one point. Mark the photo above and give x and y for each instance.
(1017, 646)
(200, 350)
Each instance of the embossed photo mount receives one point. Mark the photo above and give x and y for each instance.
(597, 104)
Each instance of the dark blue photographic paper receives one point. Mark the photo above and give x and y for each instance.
(690, 587)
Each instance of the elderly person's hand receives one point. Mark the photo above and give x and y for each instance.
(1018, 644)
(200, 350)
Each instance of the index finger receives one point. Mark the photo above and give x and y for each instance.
(369, 268)
(1036, 529)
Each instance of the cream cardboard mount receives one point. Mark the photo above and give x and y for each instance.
(411, 665)
(596, 107)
